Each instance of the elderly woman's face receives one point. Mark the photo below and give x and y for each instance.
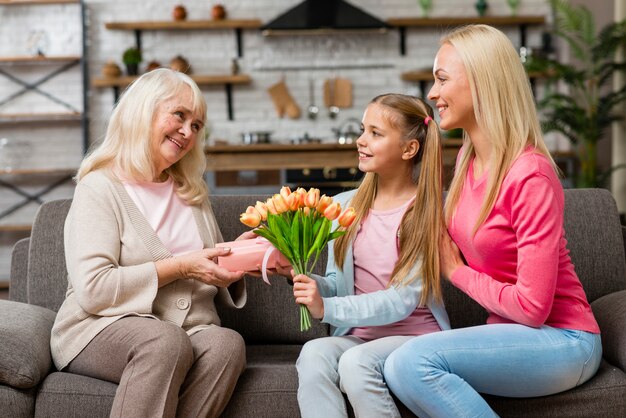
(174, 130)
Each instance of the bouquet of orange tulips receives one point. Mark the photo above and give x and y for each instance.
(298, 224)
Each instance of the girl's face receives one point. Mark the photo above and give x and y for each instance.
(451, 90)
(382, 148)
(174, 130)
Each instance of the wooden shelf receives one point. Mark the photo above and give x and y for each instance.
(187, 25)
(40, 171)
(15, 228)
(226, 80)
(238, 25)
(457, 21)
(38, 59)
(16, 118)
(204, 80)
(27, 2)
(402, 23)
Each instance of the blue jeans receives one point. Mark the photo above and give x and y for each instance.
(330, 366)
(441, 374)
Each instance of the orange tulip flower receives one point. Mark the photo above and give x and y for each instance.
(312, 197)
(346, 218)
(293, 202)
(270, 206)
(285, 191)
(251, 219)
(262, 209)
(324, 202)
(280, 204)
(332, 211)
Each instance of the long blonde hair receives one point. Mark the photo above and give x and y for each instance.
(503, 107)
(422, 223)
(126, 146)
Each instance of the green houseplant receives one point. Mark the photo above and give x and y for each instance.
(131, 58)
(587, 109)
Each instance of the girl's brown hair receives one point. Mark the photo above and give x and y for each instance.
(422, 223)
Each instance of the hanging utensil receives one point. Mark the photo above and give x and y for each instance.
(329, 97)
(313, 110)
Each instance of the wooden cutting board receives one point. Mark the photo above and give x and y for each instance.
(338, 92)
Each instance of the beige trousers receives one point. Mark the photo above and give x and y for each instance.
(161, 371)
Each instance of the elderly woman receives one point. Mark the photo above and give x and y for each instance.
(139, 244)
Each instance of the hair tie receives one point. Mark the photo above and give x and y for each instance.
(428, 119)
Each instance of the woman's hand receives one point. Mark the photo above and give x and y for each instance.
(246, 235)
(305, 291)
(449, 255)
(198, 265)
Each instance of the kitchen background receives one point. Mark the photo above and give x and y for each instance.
(372, 62)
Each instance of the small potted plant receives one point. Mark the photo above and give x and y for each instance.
(132, 58)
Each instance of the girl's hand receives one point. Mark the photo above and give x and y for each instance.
(201, 265)
(449, 255)
(305, 291)
(246, 235)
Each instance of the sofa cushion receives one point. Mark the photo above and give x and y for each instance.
(269, 385)
(72, 395)
(24, 343)
(17, 403)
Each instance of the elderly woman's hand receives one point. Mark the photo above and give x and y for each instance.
(200, 265)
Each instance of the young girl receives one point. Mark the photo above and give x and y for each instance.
(382, 279)
(505, 212)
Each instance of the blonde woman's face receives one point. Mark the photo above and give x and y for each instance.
(174, 130)
(451, 90)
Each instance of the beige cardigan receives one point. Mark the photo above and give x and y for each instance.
(110, 251)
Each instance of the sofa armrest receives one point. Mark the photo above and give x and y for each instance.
(24, 343)
(19, 269)
(610, 312)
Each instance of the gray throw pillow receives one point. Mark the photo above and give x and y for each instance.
(24, 343)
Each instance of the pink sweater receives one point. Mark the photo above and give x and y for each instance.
(518, 266)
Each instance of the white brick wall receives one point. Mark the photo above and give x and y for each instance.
(210, 52)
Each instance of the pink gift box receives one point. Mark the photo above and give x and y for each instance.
(247, 255)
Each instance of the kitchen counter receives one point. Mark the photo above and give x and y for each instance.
(286, 156)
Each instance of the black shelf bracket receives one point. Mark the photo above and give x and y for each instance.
(34, 86)
(30, 197)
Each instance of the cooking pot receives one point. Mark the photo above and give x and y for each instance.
(256, 137)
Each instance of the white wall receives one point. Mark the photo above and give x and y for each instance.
(210, 52)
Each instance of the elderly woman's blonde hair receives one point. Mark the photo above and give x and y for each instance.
(126, 149)
(504, 108)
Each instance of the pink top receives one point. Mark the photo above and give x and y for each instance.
(519, 268)
(169, 216)
(375, 254)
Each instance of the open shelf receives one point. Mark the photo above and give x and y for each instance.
(187, 24)
(238, 25)
(522, 22)
(18, 2)
(40, 171)
(456, 21)
(15, 228)
(38, 58)
(17, 118)
(226, 80)
(199, 79)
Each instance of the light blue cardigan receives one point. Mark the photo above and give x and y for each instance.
(344, 310)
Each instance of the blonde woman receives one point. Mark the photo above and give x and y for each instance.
(381, 286)
(504, 212)
(139, 246)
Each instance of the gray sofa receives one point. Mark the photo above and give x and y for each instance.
(29, 385)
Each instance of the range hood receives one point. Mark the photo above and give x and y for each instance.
(315, 17)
